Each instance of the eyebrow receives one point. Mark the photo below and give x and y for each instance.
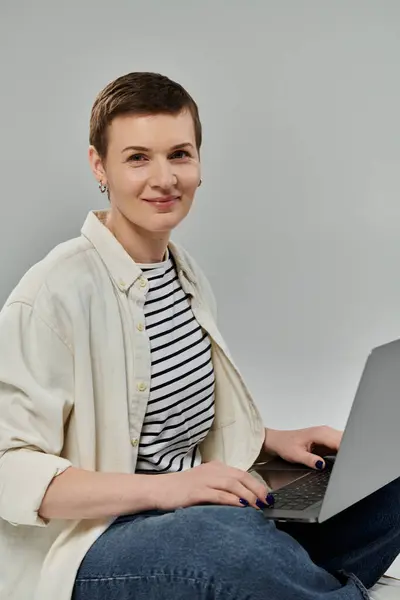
(144, 149)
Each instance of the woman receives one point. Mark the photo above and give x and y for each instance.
(126, 432)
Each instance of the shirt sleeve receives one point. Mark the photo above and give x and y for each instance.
(36, 397)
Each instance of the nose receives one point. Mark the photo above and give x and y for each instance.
(162, 175)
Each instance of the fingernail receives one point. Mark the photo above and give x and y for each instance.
(243, 501)
(270, 500)
(319, 464)
(260, 504)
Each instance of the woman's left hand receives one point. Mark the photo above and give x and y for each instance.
(305, 446)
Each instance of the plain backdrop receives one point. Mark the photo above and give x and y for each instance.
(297, 222)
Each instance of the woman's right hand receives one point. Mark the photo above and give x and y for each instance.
(210, 483)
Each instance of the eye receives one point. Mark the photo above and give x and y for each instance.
(137, 158)
(180, 154)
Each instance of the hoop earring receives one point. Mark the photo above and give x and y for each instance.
(103, 188)
(200, 182)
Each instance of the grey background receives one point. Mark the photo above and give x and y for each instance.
(297, 221)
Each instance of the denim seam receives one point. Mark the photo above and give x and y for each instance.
(133, 577)
(357, 582)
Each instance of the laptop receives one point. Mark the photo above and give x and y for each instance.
(368, 457)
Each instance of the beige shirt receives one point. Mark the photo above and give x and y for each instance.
(71, 371)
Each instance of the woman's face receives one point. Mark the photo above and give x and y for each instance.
(152, 169)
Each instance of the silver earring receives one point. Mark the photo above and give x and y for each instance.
(102, 187)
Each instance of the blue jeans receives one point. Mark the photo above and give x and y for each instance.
(212, 552)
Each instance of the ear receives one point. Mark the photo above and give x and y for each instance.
(97, 166)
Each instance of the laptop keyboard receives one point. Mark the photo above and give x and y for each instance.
(304, 492)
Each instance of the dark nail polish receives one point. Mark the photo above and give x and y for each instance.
(260, 504)
(319, 464)
(243, 501)
(270, 500)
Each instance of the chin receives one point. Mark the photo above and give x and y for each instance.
(165, 227)
(166, 222)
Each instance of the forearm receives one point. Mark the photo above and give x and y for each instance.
(267, 452)
(80, 494)
(270, 441)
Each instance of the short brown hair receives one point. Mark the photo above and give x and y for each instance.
(139, 93)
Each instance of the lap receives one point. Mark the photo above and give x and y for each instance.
(199, 552)
(189, 537)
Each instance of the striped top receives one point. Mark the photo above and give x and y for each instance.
(180, 409)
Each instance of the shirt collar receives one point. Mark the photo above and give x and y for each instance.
(121, 267)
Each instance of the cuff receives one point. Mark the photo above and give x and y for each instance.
(25, 476)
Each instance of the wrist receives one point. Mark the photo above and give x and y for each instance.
(155, 489)
(149, 488)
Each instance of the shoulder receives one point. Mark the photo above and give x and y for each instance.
(57, 290)
(66, 260)
(58, 270)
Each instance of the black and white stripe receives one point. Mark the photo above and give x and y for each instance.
(180, 409)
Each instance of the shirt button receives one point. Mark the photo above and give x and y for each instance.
(143, 282)
(135, 442)
(142, 387)
(122, 283)
(140, 327)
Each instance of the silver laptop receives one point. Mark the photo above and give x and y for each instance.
(368, 457)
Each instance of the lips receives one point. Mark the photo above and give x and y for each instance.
(163, 199)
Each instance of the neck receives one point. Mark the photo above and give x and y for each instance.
(142, 246)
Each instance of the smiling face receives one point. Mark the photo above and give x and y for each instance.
(152, 170)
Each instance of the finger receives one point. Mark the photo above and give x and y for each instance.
(227, 479)
(260, 490)
(246, 497)
(310, 460)
(212, 496)
(327, 437)
(246, 487)
(261, 501)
